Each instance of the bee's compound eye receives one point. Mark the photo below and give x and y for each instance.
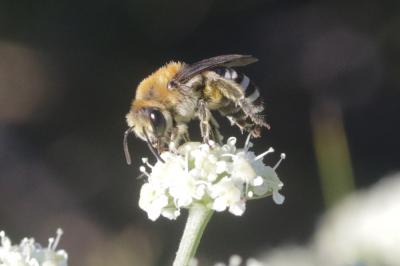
(158, 121)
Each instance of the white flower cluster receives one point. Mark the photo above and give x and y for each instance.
(361, 230)
(30, 253)
(219, 177)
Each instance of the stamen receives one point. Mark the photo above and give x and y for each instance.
(283, 157)
(264, 153)
(146, 161)
(4, 240)
(51, 241)
(247, 143)
(231, 141)
(143, 170)
(58, 237)
(141, 176)
(26, 248)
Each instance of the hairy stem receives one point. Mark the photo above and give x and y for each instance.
(198, 218)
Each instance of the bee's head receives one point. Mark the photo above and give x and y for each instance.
(151, 124)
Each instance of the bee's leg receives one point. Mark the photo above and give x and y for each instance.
(214, 130)
(246, 125)
(204, 115)
(235, 122)
(252, 111)
(180, 133)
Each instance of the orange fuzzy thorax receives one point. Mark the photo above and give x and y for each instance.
(153, 91)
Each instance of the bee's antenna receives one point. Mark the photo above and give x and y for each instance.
(125, 144)
(155, 153)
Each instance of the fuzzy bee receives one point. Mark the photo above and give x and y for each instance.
(176, 93)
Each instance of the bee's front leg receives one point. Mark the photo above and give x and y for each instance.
(178, 134)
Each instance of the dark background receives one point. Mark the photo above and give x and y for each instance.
(68, 72)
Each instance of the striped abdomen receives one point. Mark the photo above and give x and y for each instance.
(247, 112)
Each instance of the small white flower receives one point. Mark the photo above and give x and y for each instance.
(29, 253)
(152, 200)
(236, 260)
(226, 194)
(219, 177)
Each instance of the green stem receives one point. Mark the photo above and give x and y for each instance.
(332, 151)
(199, 215)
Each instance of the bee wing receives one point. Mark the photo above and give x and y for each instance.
(189, 71)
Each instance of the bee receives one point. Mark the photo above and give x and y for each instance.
(167, 100)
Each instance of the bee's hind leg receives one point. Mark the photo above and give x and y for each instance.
(253, 112)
